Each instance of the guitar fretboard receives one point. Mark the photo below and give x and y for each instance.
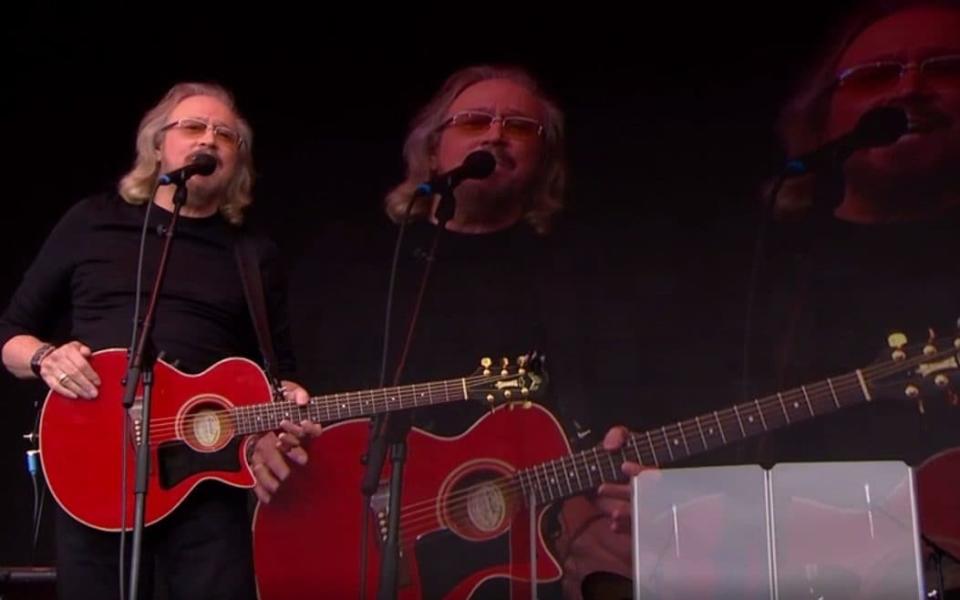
(334, 407)
(586, 470)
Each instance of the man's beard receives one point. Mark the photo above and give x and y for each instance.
(480, 201)
(205, 193)
(900, 187)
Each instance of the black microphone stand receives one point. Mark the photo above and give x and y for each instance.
(140, 366)
(767, 210)
(392, 430)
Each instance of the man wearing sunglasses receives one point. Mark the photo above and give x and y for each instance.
(88, 269)
(907, 58)
(861, 251)
(498, 111)
(874, 231)
(498, 281)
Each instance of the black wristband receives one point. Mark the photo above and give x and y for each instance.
(38, 357)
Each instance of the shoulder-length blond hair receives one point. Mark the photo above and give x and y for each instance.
(421, 144)
(138, 185)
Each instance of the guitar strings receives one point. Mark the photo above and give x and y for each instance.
(422, 512)
(415, 513)
(348, 402)
(575, 469)
(165, 427)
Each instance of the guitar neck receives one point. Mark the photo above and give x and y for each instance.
(334, 407)
(586, 470)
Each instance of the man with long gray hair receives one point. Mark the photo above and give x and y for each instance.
(88, 269)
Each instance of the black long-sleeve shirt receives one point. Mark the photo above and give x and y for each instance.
(495, 295)
(86, 270)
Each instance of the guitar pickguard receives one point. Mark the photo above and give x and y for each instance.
(176, 461)
(446, 559)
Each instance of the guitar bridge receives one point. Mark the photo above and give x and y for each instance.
(135, 421)
(380, 511)
(380, 514)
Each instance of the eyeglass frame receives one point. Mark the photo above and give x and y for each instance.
(920, 65)
(452, 120)
(217, 128)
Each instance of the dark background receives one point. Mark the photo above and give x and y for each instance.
(669, 112)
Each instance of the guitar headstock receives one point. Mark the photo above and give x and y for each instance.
(917, 371)
(501, 380)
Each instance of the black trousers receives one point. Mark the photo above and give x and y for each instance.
(203, 550)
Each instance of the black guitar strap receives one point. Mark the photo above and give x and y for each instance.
(249, 268)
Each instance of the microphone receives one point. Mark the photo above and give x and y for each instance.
(479, 164)
(880, 126)
(202, 164)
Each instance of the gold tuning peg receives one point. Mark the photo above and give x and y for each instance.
(486, 362)
(504, 363)
(929, 349)
(896, 340)
(913, 392)
(522, 361)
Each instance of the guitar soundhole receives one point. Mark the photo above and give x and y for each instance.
(205, 425)
(479, 503)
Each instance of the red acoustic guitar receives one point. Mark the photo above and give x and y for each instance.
(466, 521)
(200, 425)
(464, 512)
